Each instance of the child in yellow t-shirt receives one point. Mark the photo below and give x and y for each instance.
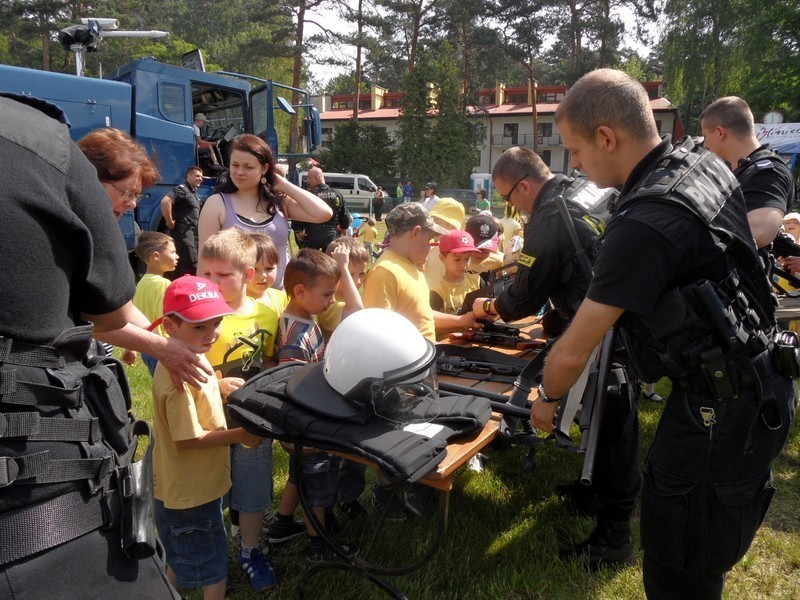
(369, 234)
(246, 345)
(191, 461)
(266, 271)
(352, 258)
(157, 251)
(455, 250)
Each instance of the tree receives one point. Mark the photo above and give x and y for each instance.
(357, 148)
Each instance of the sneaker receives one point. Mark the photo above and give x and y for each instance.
(609, 545)
(281, 530)
(318, 551)
(417, 498)
(387, 503)
(266, 523)
(259, 569)
(649, 392)
(352, 510)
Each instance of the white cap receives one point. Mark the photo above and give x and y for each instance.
(792, 216)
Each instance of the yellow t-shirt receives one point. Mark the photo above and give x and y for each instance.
(330, 319)
(396, 284)
(370, 234)
(277, 300)
(453, 294)
(259, 327)
(149, 297)
(190, 477)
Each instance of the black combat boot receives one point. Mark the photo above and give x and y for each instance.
(609, 545)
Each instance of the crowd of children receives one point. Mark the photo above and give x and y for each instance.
(232, 315)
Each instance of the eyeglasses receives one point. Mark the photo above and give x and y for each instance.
(507, 197)
(129, 195)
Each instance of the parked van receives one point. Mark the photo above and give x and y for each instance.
(357, 190)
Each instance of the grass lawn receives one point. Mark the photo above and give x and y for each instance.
(504, 529)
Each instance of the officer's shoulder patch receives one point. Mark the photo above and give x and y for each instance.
(763, 165)
(526, 260)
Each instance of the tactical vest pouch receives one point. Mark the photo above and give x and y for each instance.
(135, 488)
(107, 394)
(787, 354)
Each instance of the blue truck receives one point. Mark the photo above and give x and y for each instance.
(156, 102)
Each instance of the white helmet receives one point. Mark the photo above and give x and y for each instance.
(378, 359)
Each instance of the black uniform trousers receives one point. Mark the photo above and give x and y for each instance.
(185, 238)
(319, 236)
(708, 481)
(617, 471)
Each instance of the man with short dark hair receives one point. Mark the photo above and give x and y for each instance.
(678, 273)
(548, 270)
(430, 198)
(766, 180)
(181, 211)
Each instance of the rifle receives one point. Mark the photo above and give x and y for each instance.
(597, 385)
(455, 366)
(498, 334)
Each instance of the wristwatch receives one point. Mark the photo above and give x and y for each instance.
(545, 398)
(487, 307)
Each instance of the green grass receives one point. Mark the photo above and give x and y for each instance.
(504, 530)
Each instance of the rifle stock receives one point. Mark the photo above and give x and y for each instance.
(604, 363)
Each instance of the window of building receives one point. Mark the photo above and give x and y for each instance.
(364, 104)
(339, 104)
(393, 103)
(545, 129)
(510, 131)
(545, 154)
(516, 98)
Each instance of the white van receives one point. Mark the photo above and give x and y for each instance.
(357, 190)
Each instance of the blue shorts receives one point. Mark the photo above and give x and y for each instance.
(320, 478)
(195, 542)
(251, 477)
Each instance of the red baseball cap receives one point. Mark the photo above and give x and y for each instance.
(457, 241)
(193, 299)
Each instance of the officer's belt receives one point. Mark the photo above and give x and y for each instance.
(32, 529)
(720, 377)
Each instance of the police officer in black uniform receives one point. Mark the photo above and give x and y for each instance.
(64, 429)
(765, 178)
(678, 272)
(549, 270)
(181, 211)
(319, 235)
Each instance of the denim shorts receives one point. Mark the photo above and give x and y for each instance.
(320, 478)
(195, 543)
(251, 477)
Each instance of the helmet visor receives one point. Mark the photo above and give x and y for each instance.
(414, 400)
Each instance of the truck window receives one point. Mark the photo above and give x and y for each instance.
(365, 185)
(225, 113)
(172, 101)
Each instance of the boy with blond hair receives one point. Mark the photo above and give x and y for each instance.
(310, 280)
(245, 347)
(157, 251)
(191, 462)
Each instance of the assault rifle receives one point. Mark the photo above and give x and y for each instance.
(499, 334)
(457, 366)
(593, 400)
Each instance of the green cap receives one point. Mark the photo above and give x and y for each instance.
(405, 217)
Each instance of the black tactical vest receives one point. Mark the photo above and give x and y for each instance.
(708, 326)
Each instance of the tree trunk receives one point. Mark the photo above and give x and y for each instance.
(532, 93)
(296, 73)
(360, 19)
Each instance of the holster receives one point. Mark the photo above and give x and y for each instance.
(135, 487)
(787, 354)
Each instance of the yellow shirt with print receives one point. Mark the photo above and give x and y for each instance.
(244, 341)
